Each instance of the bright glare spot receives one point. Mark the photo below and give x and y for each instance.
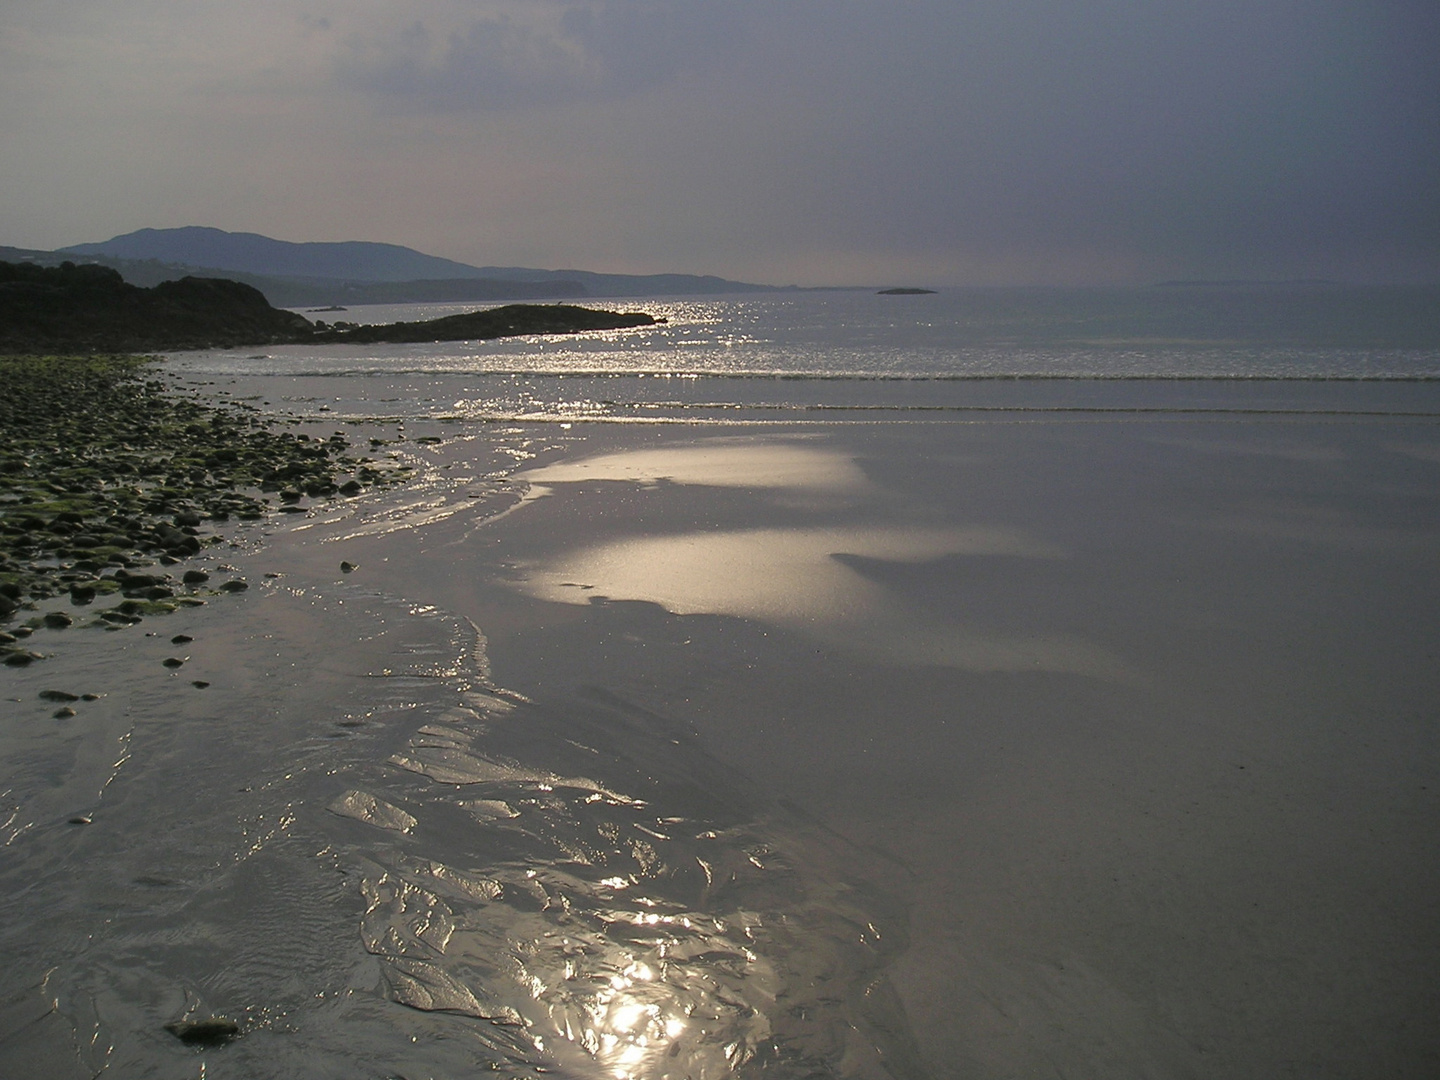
(626, 1017)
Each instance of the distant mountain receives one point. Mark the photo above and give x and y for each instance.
(252, 253)
(359, 272)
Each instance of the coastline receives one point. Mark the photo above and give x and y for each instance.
(1066, 711)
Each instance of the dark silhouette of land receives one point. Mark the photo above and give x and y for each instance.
(356, 272)
(92, 309)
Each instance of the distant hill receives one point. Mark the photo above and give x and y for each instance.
(252, 253)
(359, 272)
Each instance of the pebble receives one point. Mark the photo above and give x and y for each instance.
(63, 713)
(181, 639)
(212, 1031)
(348, 567)
(173, 662)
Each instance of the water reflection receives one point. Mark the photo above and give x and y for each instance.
(657, 933)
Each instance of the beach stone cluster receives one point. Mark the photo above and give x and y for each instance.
(109, 478)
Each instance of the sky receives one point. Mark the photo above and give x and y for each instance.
(814, 142)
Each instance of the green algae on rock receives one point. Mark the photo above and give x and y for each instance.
(104, 470)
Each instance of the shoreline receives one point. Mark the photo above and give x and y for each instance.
(107, 472)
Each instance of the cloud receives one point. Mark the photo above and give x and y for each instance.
(818, 141)
(538, 54)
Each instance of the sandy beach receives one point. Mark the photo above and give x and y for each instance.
(1081, 745)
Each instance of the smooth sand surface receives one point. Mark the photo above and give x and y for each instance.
(1137, 718)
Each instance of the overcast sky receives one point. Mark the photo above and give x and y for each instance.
(807, 141)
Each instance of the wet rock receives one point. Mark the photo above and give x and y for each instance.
(235, 585)
(348, 567)
(351, 487)
(212, 1031)
(181, 639)
(195, 577)
(82, 819)
(22, 659)
(58, 620)
(199, 684)
(58, 695)
(63, 713)
(173, 662)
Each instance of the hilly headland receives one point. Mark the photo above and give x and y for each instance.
(92, 309)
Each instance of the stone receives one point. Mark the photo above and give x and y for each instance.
(212, 1031)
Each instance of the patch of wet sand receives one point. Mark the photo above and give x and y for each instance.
(1215, 856)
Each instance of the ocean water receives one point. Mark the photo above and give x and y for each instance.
(825, 684)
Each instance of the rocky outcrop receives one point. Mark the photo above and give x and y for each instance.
(91, 309)
(70, 308)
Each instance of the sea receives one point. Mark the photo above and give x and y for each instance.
(814, 683)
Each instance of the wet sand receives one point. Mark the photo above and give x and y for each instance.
(1136, 718)
(1126, 726)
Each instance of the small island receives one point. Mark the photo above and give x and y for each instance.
(906, 292)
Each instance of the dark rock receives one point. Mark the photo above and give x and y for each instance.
(58, 695)
(351, 487)
(82, 819)
(57, 620)
(195, 577)
(348, 567)
(63, 713)
(200, 684)
(135, 582)
(173, 662)
(181, 639)
(235, 585)
(212, 1031)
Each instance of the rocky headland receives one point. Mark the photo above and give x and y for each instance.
(91, 309)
